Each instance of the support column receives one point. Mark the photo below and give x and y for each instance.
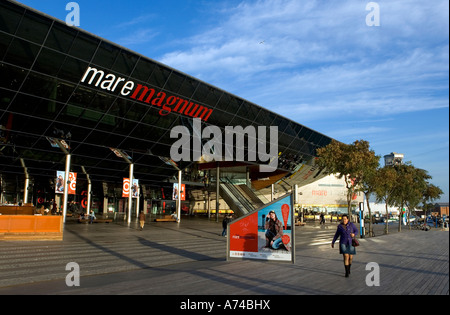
(209, 205)
(89, 191)
(66, 186)
(217, 191)
(130, 196)
(179, 197)
(27, 182)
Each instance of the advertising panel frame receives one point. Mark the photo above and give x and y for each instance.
(246, 232)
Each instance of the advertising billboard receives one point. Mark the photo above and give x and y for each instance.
(267, 233)
(134, 188)
(60, 185)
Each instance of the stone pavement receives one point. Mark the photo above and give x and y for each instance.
(190, 259)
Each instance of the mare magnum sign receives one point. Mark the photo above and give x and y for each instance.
(145, 94)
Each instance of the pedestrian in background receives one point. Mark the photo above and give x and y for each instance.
(346, 231)
(141, 219)
(227, 219)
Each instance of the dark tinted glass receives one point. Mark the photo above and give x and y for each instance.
(22, 53)
(143, 70)
(106, 55)
(73, 70)
(125, 63)
(60, 38)
(159, 77)
(49, 62)
(11, 77)
(34, 27)
(10, 16)
(5, 40)
(84, 47)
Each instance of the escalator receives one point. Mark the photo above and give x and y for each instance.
(240, 198)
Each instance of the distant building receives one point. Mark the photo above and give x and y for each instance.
(393, 159)
(441, 208)
(327, 195)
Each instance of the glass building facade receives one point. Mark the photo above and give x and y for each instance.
(58, 81)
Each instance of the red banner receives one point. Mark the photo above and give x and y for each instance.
(126, 188)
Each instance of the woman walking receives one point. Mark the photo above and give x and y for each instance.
(346, 231)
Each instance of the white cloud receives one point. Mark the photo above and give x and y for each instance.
(139, 36)
(321, 58)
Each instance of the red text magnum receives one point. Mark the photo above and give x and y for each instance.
(145, 94)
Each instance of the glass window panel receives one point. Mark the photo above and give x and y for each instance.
(33, 27)
(49, 62)
(174, 82)
(234, 105)
(297, 129)
(11, 77)
(305, 134)
(201, 93)
(151, 118)
(315, 138)
(86, 117)
(5, 40)
(297, 145)
(125, 63)
(223, 102)
(84, 47)
(159, 77)
(265, 118)
(290, 130)
(282, 124)
(10, 15)
(64, 91)
(324, 141)
(5, 98)
(135, 111)
(61, 38)
(82, 97)
(240, 121)
(248, 110)
(105, 139)
(283, 140)
(21, 53)
(106, 55)
(102, 102)
(188, 88)
(40, 85)
(107, 123)
(35, 106)
(30, 125)
(73, 70)
(125, 126)
(220, 118)
(212, 98)
(47, 87)
(143, 70)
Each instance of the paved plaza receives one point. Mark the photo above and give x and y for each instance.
(190, 259)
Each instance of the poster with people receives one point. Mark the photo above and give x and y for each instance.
(267, 233)
(59, 183)
(134, 188)
(182, 192)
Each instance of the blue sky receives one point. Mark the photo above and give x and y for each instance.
(316, 62)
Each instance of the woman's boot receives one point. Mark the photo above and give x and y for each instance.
(347, 271)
